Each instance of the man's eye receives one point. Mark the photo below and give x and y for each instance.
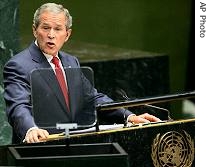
(58, 29)
(46, 28)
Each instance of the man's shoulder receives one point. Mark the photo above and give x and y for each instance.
(68, 56)
(21, 54)
(63, 53)
(20, 57)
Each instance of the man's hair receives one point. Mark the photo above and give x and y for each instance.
(55, 8)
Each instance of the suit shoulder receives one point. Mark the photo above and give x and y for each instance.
(69, 58)
(19, 57)
(67, 54)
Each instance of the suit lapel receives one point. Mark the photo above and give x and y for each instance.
(47, 74)
(52, 82)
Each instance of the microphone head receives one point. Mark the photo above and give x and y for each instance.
(122, 94)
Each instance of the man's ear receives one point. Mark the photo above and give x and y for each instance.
(68, 34)
(34, 31)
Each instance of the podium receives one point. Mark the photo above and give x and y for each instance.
(153, 145)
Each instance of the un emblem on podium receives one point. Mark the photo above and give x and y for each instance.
(173, 149)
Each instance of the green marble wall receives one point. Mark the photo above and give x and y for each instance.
(9, 45)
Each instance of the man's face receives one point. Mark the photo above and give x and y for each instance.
(51, 32)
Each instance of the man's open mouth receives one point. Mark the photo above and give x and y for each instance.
(51, 44)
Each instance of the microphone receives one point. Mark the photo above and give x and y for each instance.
(124, 95)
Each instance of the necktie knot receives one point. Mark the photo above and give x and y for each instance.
(55, 61)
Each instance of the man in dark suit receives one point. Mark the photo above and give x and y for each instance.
(51, 29)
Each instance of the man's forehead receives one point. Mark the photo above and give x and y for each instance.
(50, 24)
(48, 18)
(47, 15)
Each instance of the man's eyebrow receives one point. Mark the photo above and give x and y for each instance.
(46, 24)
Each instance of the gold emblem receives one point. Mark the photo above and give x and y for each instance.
(173, 149)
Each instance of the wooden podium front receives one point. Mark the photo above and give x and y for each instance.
(165, 144)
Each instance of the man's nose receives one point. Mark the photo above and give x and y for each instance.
(51, 34)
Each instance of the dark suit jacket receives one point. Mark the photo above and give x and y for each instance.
(17, 94)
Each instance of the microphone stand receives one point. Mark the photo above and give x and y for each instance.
(124, 95)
